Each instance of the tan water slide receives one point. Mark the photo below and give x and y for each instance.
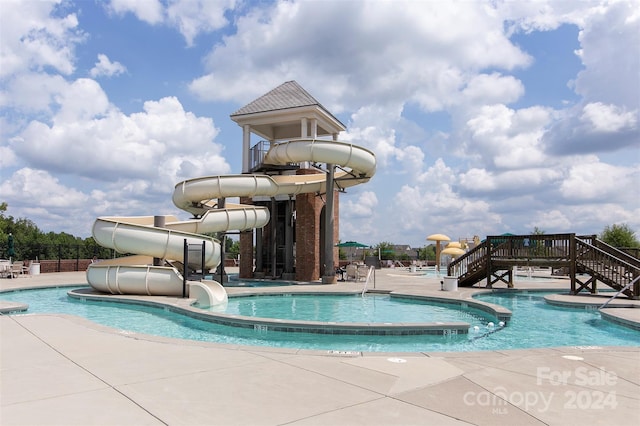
(137, 274)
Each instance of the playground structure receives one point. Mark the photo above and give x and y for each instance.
(493, 260)
(288, 196)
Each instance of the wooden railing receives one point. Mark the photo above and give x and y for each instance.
(611, 266)
(470, 264)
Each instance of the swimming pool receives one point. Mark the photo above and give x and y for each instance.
(534, 324)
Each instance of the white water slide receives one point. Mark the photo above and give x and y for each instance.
(137, 274)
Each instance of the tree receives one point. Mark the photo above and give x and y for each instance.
(232, 248)
(428, 252)
(386, 250)
(619, 236)
(31, 243)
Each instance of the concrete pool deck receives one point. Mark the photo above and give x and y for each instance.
(58, 369)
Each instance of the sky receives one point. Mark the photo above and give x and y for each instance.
(486, 117)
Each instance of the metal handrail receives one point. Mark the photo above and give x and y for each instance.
(604, 305)
(366, 281)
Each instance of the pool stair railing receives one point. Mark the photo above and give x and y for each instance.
(370, 273)
(632, 282)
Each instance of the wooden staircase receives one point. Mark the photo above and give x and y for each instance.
(608, 265)
(493, 260)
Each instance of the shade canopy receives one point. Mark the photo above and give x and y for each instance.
(351, 244)
(438, 237)
(455, 244)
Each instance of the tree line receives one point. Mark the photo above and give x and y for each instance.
(20, 238)
(30, 243)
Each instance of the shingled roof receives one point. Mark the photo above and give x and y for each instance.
(288, 95)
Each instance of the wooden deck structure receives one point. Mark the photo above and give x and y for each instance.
(493, 260)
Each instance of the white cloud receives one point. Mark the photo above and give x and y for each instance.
(39, 189)
(503, 138)
(195, 17)
(105, 68)
(487, 89)
(608, 118)
(609, 85)
(190, 17)
(90, 138)
(362, 206)
(594, 127)
(507, 183)
(31, 92)
(149, 11)
(43, 40)
(607, 41)
(551, 221)
(430, 50)
(594, 181)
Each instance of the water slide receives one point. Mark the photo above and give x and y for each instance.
(136, 274)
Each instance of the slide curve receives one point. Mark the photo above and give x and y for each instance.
(137, 275)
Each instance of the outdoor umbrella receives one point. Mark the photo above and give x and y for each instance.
(351, 244)
(11, 250)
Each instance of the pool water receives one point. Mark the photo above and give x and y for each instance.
(534, 324)
(352, 308)
(244, 283)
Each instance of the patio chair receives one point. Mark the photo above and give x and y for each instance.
(363, 270)
(352, 272)
(17, 269)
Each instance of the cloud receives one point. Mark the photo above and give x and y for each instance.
(487, 89)
(592, 128)
(433, 205)
(39, 188)
(189, 17)
(149, 11)
(502, 138)
(430, 51)
(594, 181)
(610, 73)
(195, 17)
(105, 68)
(607, 118)
(362, 207)
(31, 92)
(46, 39)
(91, 138)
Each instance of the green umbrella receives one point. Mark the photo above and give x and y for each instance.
(354, 244)
(351, 244)
(11, 250)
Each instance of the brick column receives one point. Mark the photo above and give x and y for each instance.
(308, 209)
